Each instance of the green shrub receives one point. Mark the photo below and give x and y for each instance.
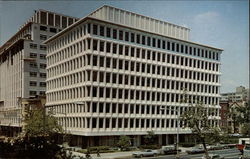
(101, 149)
(187, 144)
(150, 147)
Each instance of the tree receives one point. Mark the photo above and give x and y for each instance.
(246, 129)
(124, 142)
(37, 123)
(197, 118)
(150, 138)
(243, 117)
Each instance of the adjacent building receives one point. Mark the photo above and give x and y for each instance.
(228, 102)
(115, 73)
(23, 65)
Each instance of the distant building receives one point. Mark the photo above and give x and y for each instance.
(23, 65)
(228, 103)
(116, 73)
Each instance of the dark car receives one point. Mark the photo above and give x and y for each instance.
(167, 150)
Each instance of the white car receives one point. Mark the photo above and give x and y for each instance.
(213, 156)
(146, 153)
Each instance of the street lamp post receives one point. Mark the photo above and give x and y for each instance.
(178, 129)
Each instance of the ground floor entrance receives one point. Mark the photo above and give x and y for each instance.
(135, 140)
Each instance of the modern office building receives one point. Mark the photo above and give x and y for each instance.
(115, 73)
(23, 65)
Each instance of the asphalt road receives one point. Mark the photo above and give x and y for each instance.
(227, 153)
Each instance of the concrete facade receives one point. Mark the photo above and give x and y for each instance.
(114, 77)
(23, 64)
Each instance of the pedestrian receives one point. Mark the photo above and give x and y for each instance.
(98, 153)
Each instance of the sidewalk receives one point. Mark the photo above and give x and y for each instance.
(113, 155)
(118, 155)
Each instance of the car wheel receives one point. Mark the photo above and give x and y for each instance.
(155, 155)
(141, 156)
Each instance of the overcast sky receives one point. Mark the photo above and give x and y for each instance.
(223, 24)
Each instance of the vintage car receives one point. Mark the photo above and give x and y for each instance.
(195, 150)
(146, 153)
(167, 150)
(213, 156)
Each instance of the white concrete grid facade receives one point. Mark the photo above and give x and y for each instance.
(124, 76)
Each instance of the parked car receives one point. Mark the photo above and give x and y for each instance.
(213, 156)
(171, 149)
(216, 147)
(146, 153)
(195, 150)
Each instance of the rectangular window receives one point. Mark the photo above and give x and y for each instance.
(143, 40)
(138, 39)
(126, 36)
(52, 30)
(33, 55)
(42, 84)
(43, 75)
(43, 47)
(32, 93)
(33, 74)
(42, 56)
(102, 30)
(173, 46)
(43, 28)
(149, 41)
(114, 33)
(57, 20)
(94, 29)
(64, 22)
(159, 43)
(33, 65)
(43, 37)
(108, 30)
(163, 44)
(33, 83)
(120, 35)
(132, 36)
(43, 66)
(154, 41)
(33, 46)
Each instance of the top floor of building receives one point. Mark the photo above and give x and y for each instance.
(134, 20)
(42, 17)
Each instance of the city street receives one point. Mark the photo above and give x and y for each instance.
(227, 153)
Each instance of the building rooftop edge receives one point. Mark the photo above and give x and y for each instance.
(141, 15)
(88, 17)
(27, 23)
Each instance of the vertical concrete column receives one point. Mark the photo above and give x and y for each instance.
(167, 139)
(160, 140)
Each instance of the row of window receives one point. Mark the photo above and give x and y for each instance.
(126, 108)
(149, 40)
(34, 74)
(34, 46)
(129, 80)
(134, 66)
(41, 56)
(45, 28)
(126, 94)
(79, 122)
(34, 84)
(34, 65)
(133, 52)
(133, 37)
(34, 93)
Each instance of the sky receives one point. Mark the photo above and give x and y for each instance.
(222, 24)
